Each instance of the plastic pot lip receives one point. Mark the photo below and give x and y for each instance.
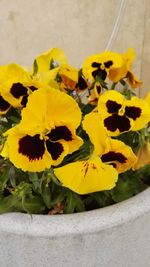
(52, 226)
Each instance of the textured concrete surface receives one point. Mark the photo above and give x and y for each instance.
(80, 27)
(116, 236)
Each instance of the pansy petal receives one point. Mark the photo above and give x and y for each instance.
(89, 176)
(69, 71)
(56, 108)
(110, 102)
(57, 150)
(93, 126)
(48, 77)
(44, 60)
(119, 155)
(65, 133)
(147, 98)
(119, 73)
(138, 110)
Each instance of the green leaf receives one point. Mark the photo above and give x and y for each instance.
(59, 197)
(35, 67)
(102, 198)
(128, 185)
(33, 205)
(33, 177)
(11, 176)
(73, 203)
(7, 204)
(3, 179)
(46, 195)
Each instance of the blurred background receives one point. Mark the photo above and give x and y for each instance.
(79, 27)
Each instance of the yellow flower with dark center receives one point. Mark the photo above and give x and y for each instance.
(90, 175)
(99, 65)
(125, 70)
(33, 153)
(46, 134)
(121, 115)
(100, 171)
(15, 85)
(111, 151)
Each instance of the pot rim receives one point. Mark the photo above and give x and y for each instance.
(77, 223)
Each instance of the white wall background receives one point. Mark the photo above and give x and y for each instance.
(80, 27)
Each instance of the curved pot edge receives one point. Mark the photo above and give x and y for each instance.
(75, 224)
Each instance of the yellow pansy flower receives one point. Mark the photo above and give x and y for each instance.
(110, 151)
(91, 175)
(100, 171)
(46, 133)
(101, 64)
(120, 115)
(16, 84)
(33, 153)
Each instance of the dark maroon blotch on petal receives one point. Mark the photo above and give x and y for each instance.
(113, 156)
(60, 132)
(133, 112)
(4, 105)
(18, 90)
(55, 149)
(32, 147)
(114, 122)
(112, 106)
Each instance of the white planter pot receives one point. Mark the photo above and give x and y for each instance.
(116, 236)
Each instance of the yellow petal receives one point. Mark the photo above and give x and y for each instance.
(87, 176)
(49, 107)
(110, 95)
(69, 71)
(133, 81)
(44, 60)
(119, 154)
(141, 116)
(147, 98)
(94, 127)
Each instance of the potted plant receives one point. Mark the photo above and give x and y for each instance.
(74, 142)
